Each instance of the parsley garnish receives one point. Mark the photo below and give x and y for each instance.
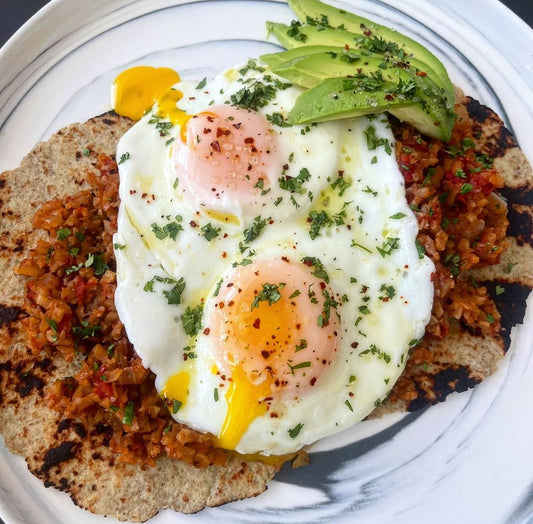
(295, 431)
(191, 320)
(278, 120)
(319, 269)
(388, 246)
(169, 230)
(209, 232)
(270, 293)
(128, 414)
(202, 83)
(124, 157)
(252, 232)
(294, 184)
(63, 233)
(294, 31)
(174, 295)
(318, 220)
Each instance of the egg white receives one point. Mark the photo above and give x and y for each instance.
(375, 334)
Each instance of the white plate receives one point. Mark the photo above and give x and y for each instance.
(468, 460)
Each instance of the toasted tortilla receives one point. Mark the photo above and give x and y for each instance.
(75, 458)
(66, 453)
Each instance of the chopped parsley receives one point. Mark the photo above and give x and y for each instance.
(270, 293)
(295, 431)
(294, 184)
(202, 83)
(374, 350)
(252, 232)
(209, 232)
(191, 320)
(373, 142)
(319, 269)
(169, 230)
(388, 246)
(341, 184)
(278, 120)
(318, 220)
(127, 419)
(63, 233)
(124, 157)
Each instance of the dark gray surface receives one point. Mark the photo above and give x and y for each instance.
(13, 13)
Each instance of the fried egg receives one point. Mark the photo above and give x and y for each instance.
(267, 274)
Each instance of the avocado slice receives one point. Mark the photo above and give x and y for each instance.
(343, 97)
(309, 71)
(323, 15)
(276, 59)
(297, 36)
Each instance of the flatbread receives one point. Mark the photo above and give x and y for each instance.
(65, 453)
(69, 455)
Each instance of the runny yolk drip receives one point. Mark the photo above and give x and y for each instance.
(137, 89)
(177, 388)
(242, 396)
(269, 339)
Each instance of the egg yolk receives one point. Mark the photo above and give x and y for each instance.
(275, 329)
(226, 153)
(137, 89)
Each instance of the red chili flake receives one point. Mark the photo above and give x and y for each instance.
(206, 331)
(421, 73)
(313, 381)
(210, 119)
(265, 354)
(257, 324)
(285, 259)
(249, 140)
(192, 223)
(207, 130)
(230, 303)
(222, 131)
(216, 146)
(322, 285)
(274, 415)
(389, 97)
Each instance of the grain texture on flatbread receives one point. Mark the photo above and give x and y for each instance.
(66, 453)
